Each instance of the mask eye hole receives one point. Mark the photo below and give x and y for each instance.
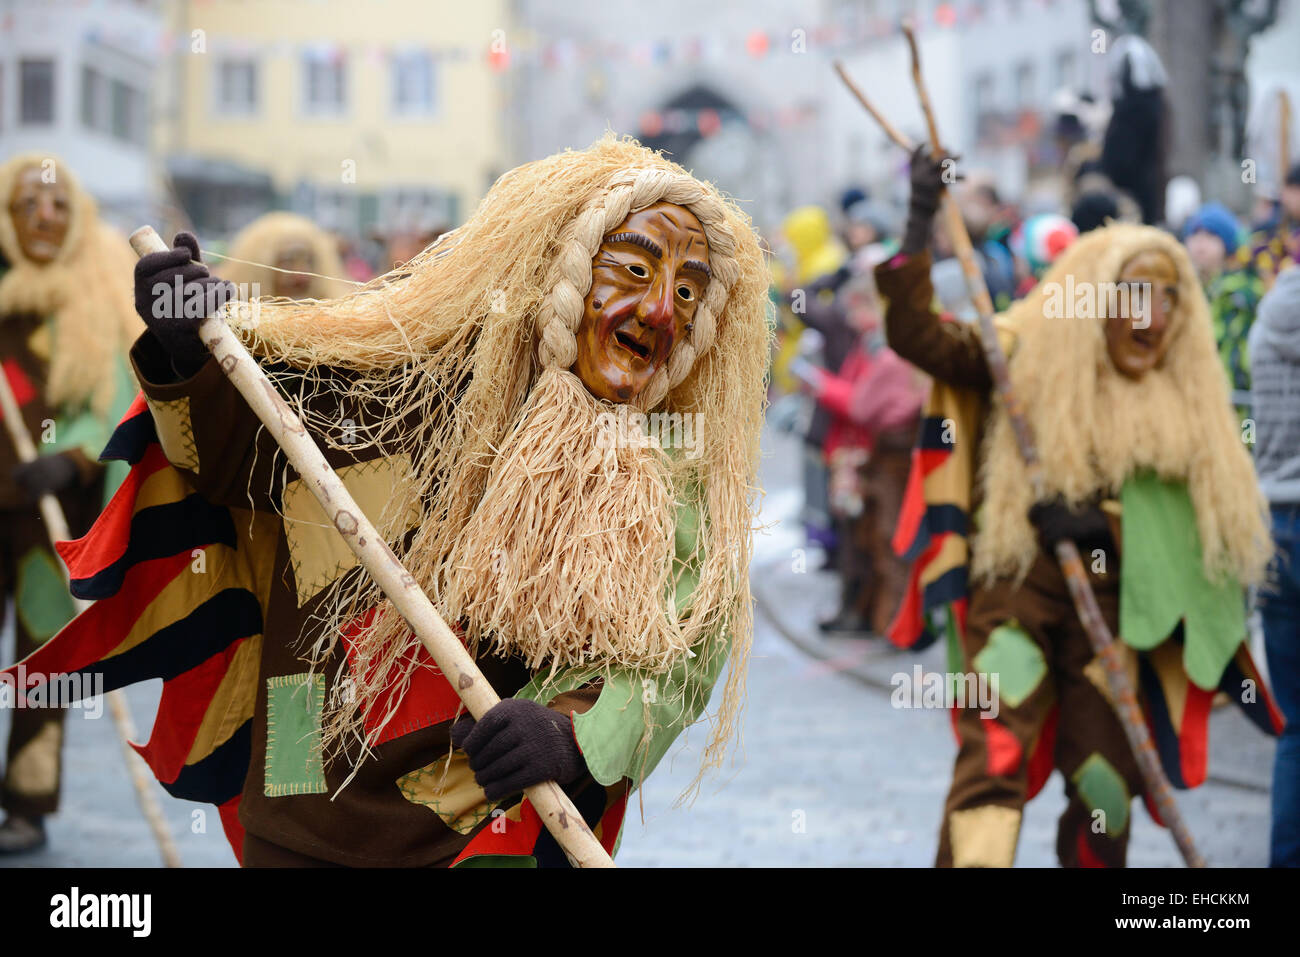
(638, 270)
(686, 293)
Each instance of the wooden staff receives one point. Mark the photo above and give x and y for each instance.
(56, 527)
(559, 815)
(1067, 553)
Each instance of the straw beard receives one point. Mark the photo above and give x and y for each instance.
(568, 557)
(1097, 427)
(87, 330)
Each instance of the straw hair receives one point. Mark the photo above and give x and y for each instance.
(1095, 427)
(261, 241)
(85, 290)
(536, 534)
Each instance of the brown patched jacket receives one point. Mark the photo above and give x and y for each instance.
(291, 797)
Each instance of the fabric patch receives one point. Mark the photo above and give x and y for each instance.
(19, 384)
(176, 432)
(1162, 581)
(447, 787)
(1103, 789)
(1003, 750)
(317, 551)
(1017, 661)
(42, 598)
(293, 737)
(1095, 671)
(38, 343)
(984, 836)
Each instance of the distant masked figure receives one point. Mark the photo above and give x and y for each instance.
(295, 259)
(66, 322)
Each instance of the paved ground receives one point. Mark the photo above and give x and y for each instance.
(827, 774)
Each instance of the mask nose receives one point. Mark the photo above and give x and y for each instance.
(1159, 315)
(44, 208)
(656, 309)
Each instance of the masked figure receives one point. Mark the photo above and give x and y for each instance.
(1113, 358)
(65, 324)
(295, 258)
(481, 403)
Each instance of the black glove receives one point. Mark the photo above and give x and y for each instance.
(172, 315)
(49, 473)
(1055, 521)
(927, 184)
(518, 744)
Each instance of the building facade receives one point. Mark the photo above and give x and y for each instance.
(75, 83)
(384, 114)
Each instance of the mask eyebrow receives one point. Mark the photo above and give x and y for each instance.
(698, 267)
(636, 239)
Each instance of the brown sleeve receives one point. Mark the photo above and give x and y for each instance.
(580, 700)
(948, 351)
(88, 471)
(207, 430)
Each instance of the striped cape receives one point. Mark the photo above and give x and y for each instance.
(180, 587)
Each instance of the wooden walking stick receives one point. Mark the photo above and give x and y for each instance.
(56, 527)
(559, 815)
(1067, 553)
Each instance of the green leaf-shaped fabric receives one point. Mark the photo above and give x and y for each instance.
(1162, 581)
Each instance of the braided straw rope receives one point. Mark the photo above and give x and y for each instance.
(569, 278)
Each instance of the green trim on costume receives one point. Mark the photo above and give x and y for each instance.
(1017, 661)
(1162, 582)
(638, 715)
(1103, 789)
(956, 662)
(84, 430)
(41, 595)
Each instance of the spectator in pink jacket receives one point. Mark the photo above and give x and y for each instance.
(874, 401)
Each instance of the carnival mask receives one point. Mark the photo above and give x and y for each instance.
(1138, 337)
(646, 280)
(41, 214)
(296, 257)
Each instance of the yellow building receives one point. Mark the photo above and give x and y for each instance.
(355, 113)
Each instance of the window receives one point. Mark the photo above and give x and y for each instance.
(413, 84)
(36, 91)
(237, 87)
(127, 119)
(1024, 85)
(113, 107)
(94, 100)
(324, 82)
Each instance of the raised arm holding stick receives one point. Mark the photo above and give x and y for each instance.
(982, 819)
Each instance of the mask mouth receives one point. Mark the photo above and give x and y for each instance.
(636, 347)
(1146, 339)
